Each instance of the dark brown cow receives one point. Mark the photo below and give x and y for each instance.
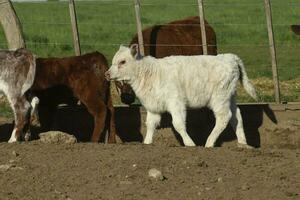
(17, 69)
(181, 37)
(296, 29)
(79, 77)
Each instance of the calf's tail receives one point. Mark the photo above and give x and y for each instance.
(245, 80)
(31, 73)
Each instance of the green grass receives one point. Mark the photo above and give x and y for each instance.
(240, 26)
(5, 110)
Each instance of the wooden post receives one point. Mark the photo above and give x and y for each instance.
(73, 17)
(11, 25)
(202, 27)
(268, 11)
(139, 27)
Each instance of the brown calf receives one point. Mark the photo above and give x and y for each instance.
(17, 69)
(296, 29)
(181, 37)
(81, 77)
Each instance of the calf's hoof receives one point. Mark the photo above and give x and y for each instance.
(147, 142)
(12, 140)
(112, 141)
(209, 145)
(189, 144)
(244, 146)
(27, 137)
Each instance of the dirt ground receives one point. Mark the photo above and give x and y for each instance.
(98, 171)
(34, 170)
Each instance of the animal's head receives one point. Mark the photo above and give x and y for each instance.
(296, 29)
(122, 66)
(122, 70)
(127, 93)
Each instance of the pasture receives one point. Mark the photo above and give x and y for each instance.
(240, 26)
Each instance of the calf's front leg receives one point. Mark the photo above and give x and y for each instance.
(152, 121)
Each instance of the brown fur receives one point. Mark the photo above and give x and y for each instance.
(181, 32)
(84, 77)
(296, 29)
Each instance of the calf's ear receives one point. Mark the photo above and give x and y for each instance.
(134, 50)
(122, 46)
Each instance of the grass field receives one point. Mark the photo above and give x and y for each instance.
(239, 24)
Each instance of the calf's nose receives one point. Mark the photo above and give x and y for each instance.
(107, 75)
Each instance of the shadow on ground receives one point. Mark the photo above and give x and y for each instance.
(130, 123)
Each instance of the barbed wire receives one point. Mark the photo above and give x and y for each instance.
(160, 3)
(156, 24)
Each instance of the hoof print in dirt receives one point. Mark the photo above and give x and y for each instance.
(57, 137)
(156, 174)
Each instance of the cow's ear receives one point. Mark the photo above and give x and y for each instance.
(134, 49)
(296, 29)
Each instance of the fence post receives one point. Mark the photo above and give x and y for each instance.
(202, 26)
(11, 25)
(137, 7)
(268, 11)
(76, 41)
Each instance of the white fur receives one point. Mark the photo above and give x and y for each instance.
(30, 76)
(34, 104)
(173, 83)
(13, 137)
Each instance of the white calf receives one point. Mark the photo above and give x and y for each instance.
(173, 83)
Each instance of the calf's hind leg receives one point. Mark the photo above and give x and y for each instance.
(112, 123)
(98, 110)
(21, 108)
(222, 115)
(237, 123)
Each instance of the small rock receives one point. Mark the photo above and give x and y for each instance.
(19, 168)
(125, 183)
(245, 187)
(5, 167)
(134, 165)
(220, 179)
(208, 188)
(203, 164)
(156, 174)
(57, 137)
(15, 153)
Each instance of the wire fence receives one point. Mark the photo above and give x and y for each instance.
(240, 26)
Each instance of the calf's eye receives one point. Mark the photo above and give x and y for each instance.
(122, 62)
